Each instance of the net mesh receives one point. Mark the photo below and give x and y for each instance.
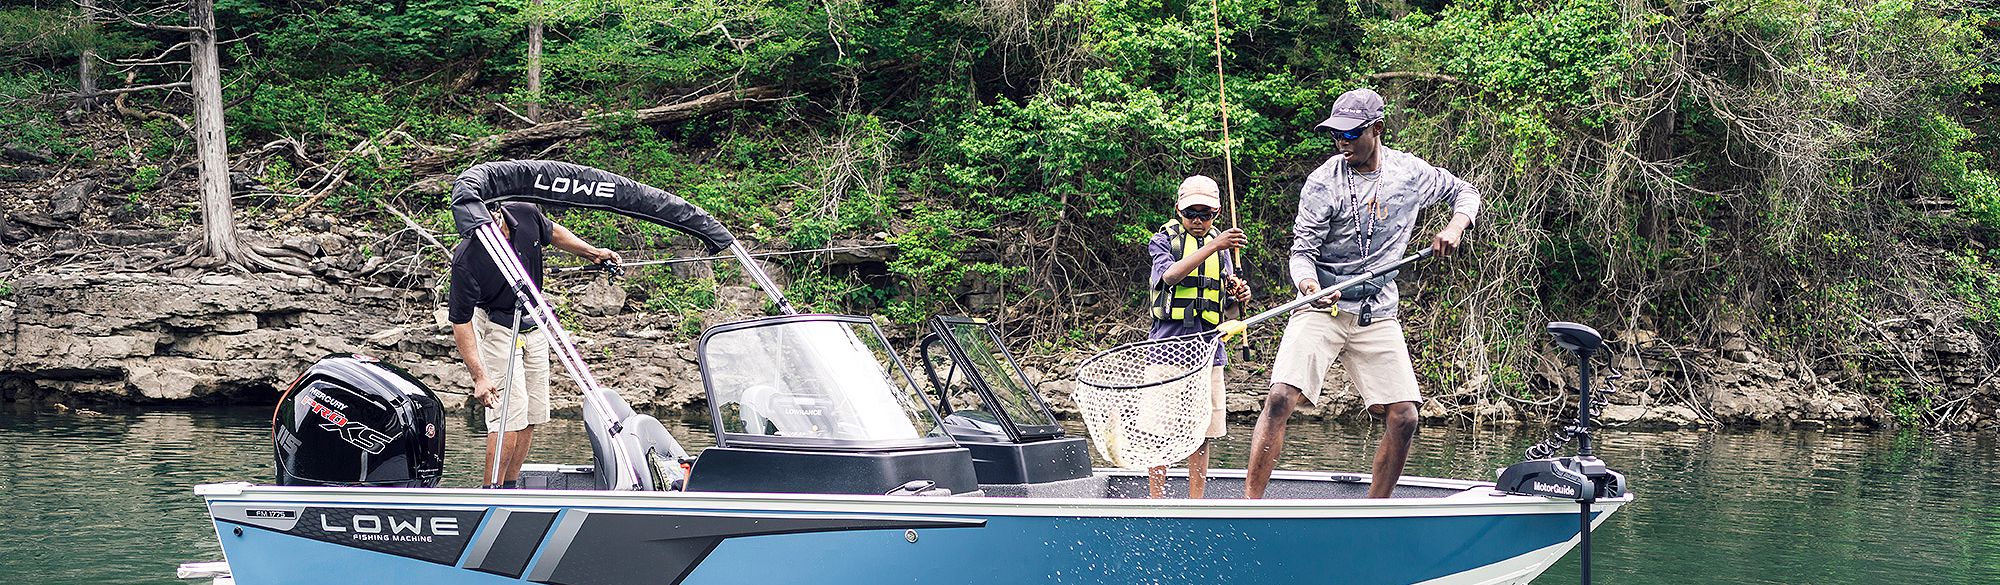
(1147, 403)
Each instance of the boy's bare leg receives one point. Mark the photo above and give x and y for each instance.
(1198, 470)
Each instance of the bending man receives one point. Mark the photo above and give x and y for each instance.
(1356, 212)
(484, 324)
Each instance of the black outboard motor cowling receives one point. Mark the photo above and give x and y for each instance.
(352, 420)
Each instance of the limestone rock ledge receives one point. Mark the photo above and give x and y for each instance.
(152, 338)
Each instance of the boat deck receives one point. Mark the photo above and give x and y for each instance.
(1123, 484)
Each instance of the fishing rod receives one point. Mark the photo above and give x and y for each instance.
(616, 268)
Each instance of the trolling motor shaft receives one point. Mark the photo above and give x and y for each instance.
(1583, 478)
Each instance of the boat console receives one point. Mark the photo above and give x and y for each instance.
(993, 409)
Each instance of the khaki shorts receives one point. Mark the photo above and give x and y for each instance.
(1218, 402)
(1376, 357)
(526, 396)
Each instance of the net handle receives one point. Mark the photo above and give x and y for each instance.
(1234, 327)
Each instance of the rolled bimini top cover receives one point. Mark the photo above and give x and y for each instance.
(547, 181)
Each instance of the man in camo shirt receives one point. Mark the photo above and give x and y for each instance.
(1356, 213)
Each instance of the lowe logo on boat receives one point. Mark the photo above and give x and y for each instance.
(391, 527)
(1550, 488)
(566, 186)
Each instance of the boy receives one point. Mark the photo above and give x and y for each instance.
(1191, 280)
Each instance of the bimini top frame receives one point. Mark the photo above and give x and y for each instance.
(573, 185)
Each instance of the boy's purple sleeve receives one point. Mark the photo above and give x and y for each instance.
(1163, 258)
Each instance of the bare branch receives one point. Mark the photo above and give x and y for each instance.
(1387, 75)
(517, 115)
(156, 58)
(125, 90)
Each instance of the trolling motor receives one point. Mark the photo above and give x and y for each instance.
(1583, 478)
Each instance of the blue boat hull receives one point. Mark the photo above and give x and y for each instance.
(277, 536)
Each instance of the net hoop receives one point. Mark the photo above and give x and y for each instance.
(1088, 375)
(1149, 403)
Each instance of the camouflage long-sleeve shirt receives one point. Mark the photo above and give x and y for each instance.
(1349, 223)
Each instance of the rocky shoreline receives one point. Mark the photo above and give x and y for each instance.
(78, 337)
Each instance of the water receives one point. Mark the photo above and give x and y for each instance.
(106, 499)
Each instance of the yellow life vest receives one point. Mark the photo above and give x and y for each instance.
(1198, 296)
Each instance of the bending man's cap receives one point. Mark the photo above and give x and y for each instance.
(1199, 190)
(1354, 109)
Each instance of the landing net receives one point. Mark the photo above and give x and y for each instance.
(1147, 403)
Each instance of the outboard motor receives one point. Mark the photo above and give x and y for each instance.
(351, 420)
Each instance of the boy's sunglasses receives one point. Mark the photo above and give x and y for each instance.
(1198, 214)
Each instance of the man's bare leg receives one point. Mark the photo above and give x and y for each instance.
(1269, 439)
(515, 456)
(1395, 448)
(1198, 470)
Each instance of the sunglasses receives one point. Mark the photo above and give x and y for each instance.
(1198, 214)
(1351, 135)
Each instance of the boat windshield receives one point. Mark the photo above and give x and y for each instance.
(991, 362)
(829, 380)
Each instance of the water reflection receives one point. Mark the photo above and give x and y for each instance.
(106, 499)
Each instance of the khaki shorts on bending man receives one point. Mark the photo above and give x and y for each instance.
(525, 396)
(1356, 214)
(1376, 358)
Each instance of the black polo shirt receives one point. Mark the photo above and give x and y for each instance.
(477, 283)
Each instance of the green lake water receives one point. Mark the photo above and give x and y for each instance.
(108, 498)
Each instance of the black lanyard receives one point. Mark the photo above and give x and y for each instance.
(1365, 228)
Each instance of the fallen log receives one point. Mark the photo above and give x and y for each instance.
(578, 127)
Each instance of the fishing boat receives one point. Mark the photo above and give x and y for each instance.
(836, 461)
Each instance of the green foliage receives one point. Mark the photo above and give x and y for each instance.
(1908, 405)
(1541, 67)
(931, 253)
(6, 289)
(30, 33)
(665, 293)
(145, 178)
(163, 139)
(33, 128)
(1959, 173)
(1975, 282)
(380, 36)
(334, 111)
(691, 43)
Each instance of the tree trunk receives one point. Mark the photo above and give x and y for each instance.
(211, 146)
(535, 61)
(86, 66)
